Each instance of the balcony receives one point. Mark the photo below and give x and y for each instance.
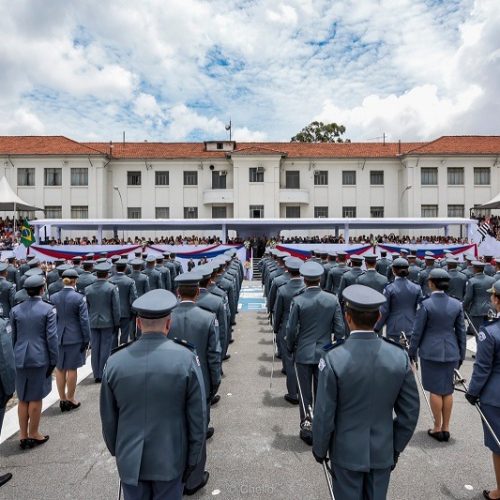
(211, 196)
(294, 196)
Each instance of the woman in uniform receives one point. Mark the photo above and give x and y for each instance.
(34, 337)
(73, 336)
(439, 338)
(485, 384)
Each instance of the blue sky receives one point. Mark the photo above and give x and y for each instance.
(173, 70)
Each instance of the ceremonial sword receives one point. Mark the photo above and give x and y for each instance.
(119, 489)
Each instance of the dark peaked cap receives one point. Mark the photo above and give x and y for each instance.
(362, 298)
(155, 304)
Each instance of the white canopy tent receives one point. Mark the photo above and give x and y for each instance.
(494, 203)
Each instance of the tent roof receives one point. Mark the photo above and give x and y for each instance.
(494, 203)
(9, 201)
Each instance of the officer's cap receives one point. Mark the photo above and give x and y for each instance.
(205, 271)
(70, 273)
(495, 288)
(341, 253)
(33, 272)
(395, 255)
(293, 263)
(357, 258)
(136, 262)
(439, 274)
(30, 257)
(323, 253)
(191, 278)
(122, 262)
(115, 258)
(478, 264)
(404, 251)
(451, 260)
(362, 298)
(428, 253)
(370, 257)
(59, 261)
(429, 258)
(150, 258)
(138, 253)
(35, 281)
(311, 270)
(469, 258)
(103, 267)
(159, 258)
(400, 262)
(77, 258)
(332, 254)
(412, 257)
(89, 256)
(102, 260)
(166, 255)
(3, 266)
(87, 263)
(155, 304)
(34, 262)
(62, 268)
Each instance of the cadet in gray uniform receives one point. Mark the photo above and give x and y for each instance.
(7, 291)
(372, 278)
(277, 282)
(77, 260)
(458, 280)
(383, 263)
(73, 336)
(53, 275)
(403, 298)
(390, 274)
(165, 273)
(7, 375)
(477, 297)
(153, 275)
(430, 264)
(439, 337)
(413, 269)
(13, 274)
(58, 285)
(284, 298)
(155, 450)
(484, 387)
(177, 264)
(104, 312)
(497, 264)
(198, 327)
(363, 382)
(34, 337)
(86, 277)
(140, 279)
(315, 318)
(127, 293)
(350, 277)
(489, 268)
(336, 272)
(170, 266)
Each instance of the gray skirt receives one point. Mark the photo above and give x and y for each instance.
(437, 376)
(70, 357)
(492, 414)
(32, 384)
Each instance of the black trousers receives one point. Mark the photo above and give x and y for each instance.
(308, 381)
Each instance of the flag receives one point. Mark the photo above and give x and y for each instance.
(27, 238)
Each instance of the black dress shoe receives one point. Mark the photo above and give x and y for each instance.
(37, 442)
(226, 357)
(210, 432)
(23, 443)
(192, 491)
(73, 406)
(291, 399)
(215, 399)
(63, 405)
(283, 371)
(232, 340)
(438, 436)
(446, 436)
(5, 478)
(97, 380)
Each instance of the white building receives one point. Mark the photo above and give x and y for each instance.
(443, 178)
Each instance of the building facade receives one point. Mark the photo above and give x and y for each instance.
(223, 179)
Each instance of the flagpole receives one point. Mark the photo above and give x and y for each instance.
(15, 218)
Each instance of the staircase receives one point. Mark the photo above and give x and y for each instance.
(256, 271)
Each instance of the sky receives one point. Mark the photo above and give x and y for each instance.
(179, 70)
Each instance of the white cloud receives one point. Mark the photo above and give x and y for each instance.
(246, 135)
(146, 105)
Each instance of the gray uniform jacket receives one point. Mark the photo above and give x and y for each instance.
(7, 296)
(55, 287)
(334, 277)
(457, 284)
(277, 282)
(362, 382)
(398, 312)
(165, 277)
(84, 280)
(414, 273)
(439, 331)
(485, 381)
(127, 293)
(477, 299)
(489, 269)
(349, 278)
(154, 278)
(104, 304)
(315, 317)
(423, 278)
(197, 326)
(52, 276)
(178, 267)
(34, 333)
(215, 304)
(373, 279)
(141, 282)
(73, 325)
(13, 275)
(382, 265)
(284, 298)
(7, 363)
(158, 374)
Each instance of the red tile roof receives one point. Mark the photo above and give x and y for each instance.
(43, 145)
(461, 144)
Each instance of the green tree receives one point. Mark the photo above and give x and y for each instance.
(321, 132)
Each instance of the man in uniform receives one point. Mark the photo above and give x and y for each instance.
(53, 275)
(7, 291)
(330, 263)
(86, 277)
(424, 274)
(58, 285)
(350, 277)
(277, 282)
(458, 280)
(164, 271)
(198, 327)
(13, 274)
(77, 260)
(362, 383)
(372, 278)
(177, 264)
(127, 294)
(413, 269)
(497, 267)
(489, 268)
(383, 263)
(140, 279)
(336, 272)
(315, 318)
(155, 450)
(153, 275)
(104, 314)
(171, 267)
(390, 274)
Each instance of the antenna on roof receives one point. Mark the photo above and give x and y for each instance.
(124, 137)
(229, 128)
(383, 138)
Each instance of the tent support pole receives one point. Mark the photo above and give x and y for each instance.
(99, 235)
(224, 234)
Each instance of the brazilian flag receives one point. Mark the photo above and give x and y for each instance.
(27, 238)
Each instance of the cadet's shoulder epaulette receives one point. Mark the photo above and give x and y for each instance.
(47, 301)
(120, 347)
(300, 292)
(392, 342)
(333, 345)
(184, 343)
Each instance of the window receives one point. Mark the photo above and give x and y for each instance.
(456, 210)
(53, 176)
(190, 178)
(320, 212)
(455, 176)
(429, 177)
(376, 177)
(256, 174)
(349, 177)
(482, 176)
(190, 212)
(53, 212)
(377, 212)
(219, 212)
(220, 145)
(134, 212)
(162, 178)
(480, 212)
(348, 211)
(79, 176)
(292, 212)
(26, 214)
(429, 210)
(321, 178)
(219, 180)
(256, 211)
(79, 212)
(162, 212)
(25, 176)
(134, 178)
(292, 179)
